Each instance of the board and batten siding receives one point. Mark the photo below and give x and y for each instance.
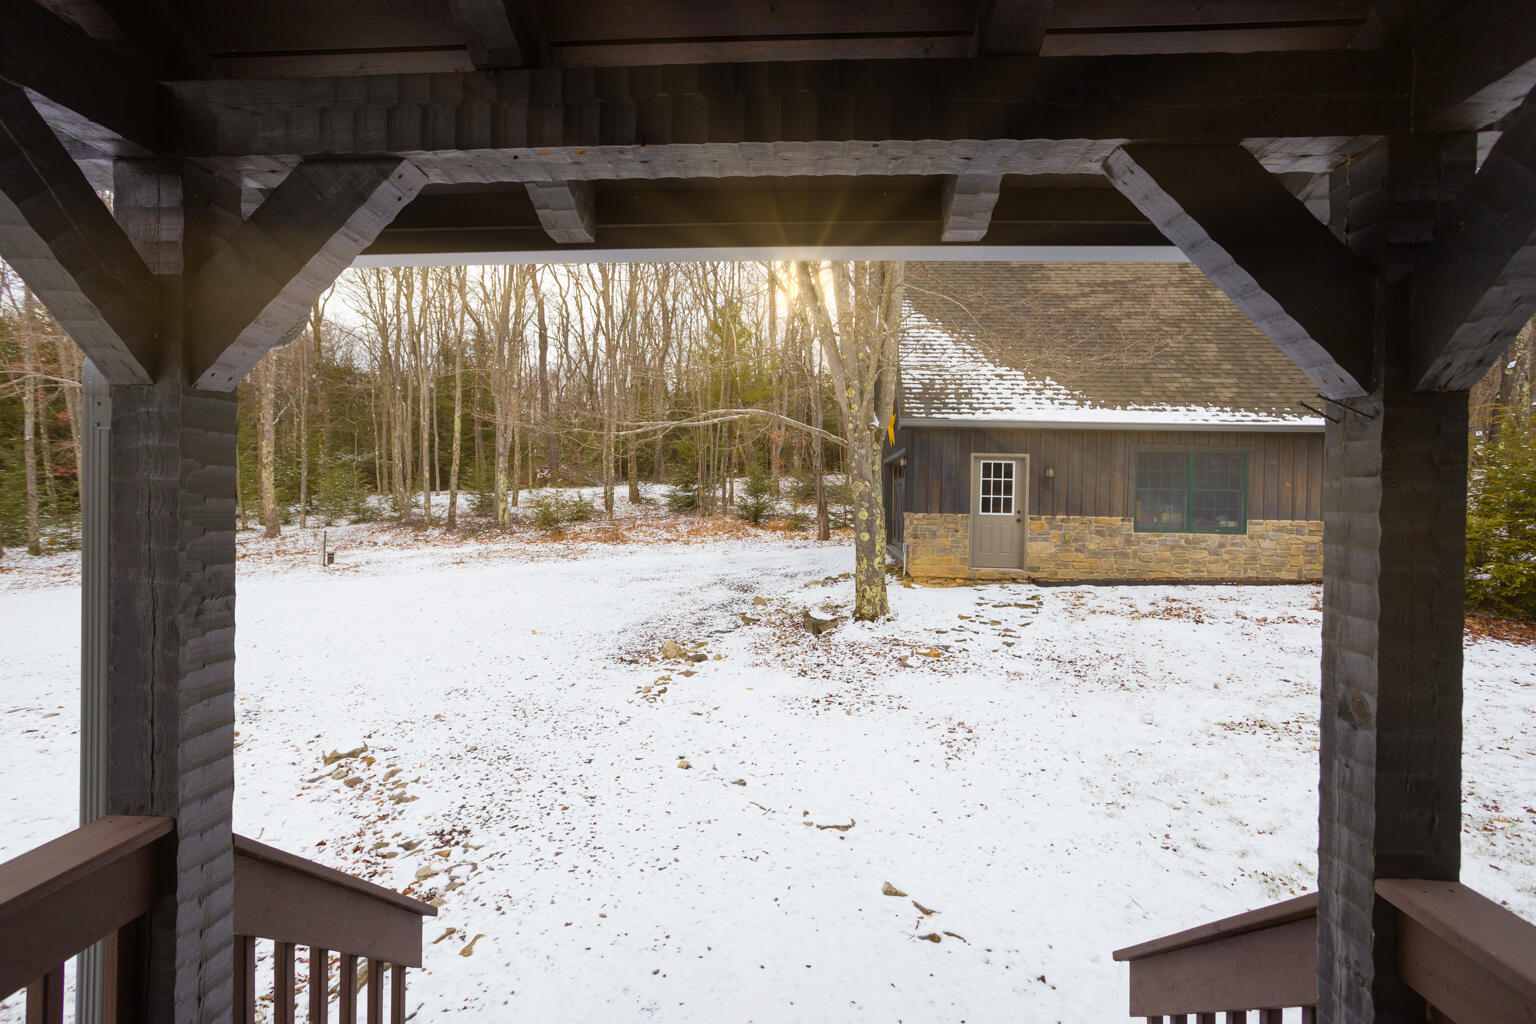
(1093, 467)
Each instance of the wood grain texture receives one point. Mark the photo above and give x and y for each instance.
(1394, 508)
(262, 282)
(1476, 287)
(63, 242)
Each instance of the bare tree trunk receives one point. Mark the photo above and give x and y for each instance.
(823, 521)
(551, 443)
(458, 416)
(266, 444)
(858, 325)
(29, 421)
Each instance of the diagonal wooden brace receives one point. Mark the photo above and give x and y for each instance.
(1259, 245)
(61, 238)
(1476, 288)
(254, 289)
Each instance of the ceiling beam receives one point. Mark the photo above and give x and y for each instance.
(966, 203)
(84, 88)
(1476, 288)
(1260, 245)
(1474, 67)
(565, 210)
(1012, 27)
(250, 293)
(498, 125)
(502, 33)
(62, 241)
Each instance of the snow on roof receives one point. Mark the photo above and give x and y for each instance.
(1090, 344)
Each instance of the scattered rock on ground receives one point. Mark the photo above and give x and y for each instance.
(816, 625)
(760, 601)
(342, 755)
(684, 764)
(671, 651)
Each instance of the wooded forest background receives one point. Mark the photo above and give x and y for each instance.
(479, 384)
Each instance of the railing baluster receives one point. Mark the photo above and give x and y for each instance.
(45, 998)
(397, 994)
(375, 991)
(319, 985)
(282, 982)
(245, 980)
(346, 1008)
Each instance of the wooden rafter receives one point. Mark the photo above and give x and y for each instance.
(255, 288)
(1260, 245)
(1476, 288)
(1012, 26)
(501, 33)
(565, 209)
(440, 120)
(966, 205)
(63, 242)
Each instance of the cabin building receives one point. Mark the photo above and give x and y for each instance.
(1098, 421)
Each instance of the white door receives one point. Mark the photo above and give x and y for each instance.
(997, 511)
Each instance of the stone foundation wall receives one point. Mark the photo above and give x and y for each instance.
(1109, 548)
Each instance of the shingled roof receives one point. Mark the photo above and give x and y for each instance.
(1090, 343)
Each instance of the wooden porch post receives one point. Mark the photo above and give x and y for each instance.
(1394, 548)
(168, 627)
(1394, 513)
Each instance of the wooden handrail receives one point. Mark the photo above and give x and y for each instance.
(289, 899)
(100, 881)
(296, 902)
(1264, 960)
(76, 890)
(1470, 958)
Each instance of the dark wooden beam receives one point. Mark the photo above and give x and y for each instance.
(497, 125)
(764, 213)
(565, 209)
(1394, 555)
(1012, 27)
(1475, 66)
(62, 240)
(1260, 245)
(501, 33)
(966, 205)
(255, 288)
(1476, 288)
(86, 89)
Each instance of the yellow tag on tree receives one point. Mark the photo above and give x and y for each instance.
(890, 428)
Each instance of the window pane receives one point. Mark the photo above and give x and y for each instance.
(1162, 480)
(1221, 472)
(1218, 510)
(1160, 509)
(1220, 486)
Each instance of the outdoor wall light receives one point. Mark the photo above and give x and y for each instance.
(1050, 472)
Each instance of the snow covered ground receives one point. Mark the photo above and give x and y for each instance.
(1046, 774)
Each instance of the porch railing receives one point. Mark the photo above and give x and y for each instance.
(296, 902)
(1264, 960)
(95, 883)
(99, 883)
(1471, 960)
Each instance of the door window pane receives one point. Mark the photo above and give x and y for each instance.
(996, 487)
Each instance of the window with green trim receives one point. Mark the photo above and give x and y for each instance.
(1192, 492)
